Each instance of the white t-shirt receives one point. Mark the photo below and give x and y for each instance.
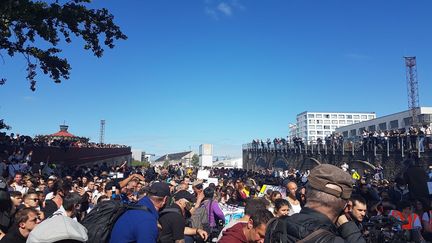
(294, 209)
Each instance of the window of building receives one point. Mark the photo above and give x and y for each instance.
(311, 121)
(312, 132)
(356, 121)
(304, 117)
(319, 132)
(341, 122)
(334, 122)
(372, 128)
(327, 132)
(349, 122)
(394, 124)
(349, 116)
(371, 116)
(311, 126)
(334, 127)
(353, 133)
(333, 116)
(363, 117)
(326, 127)
(318, 116)
(326, 116)
(356, 117)
(345, 134)
(319, 126)
(312, 137)
(361, 130)
(383, 126)
(341, 116)
(407, 121)
(326, 121)
(319, 121)
(425, 118)
(311, 116)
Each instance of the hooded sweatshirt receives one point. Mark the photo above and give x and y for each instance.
(234, 234)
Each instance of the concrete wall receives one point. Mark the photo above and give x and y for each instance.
(75, 156)
(392, 164)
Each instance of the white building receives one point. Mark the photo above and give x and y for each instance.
(312, 125)
(229, 163)
(206, 155)
(172, 159)
(394, 121)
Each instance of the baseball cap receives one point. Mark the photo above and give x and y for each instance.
(325, 174)
(159, 189)
(184, 194)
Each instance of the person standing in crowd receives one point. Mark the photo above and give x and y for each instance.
(358, 210)
(17, 184)
(417, 179)
(322, 218)
(62, 225)
(16, 198)
(53, 204)
(294, 203)
(140, 225)
(26, 220)
(173, 220)
(252, 231)
(405, 214)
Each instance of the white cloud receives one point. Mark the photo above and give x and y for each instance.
(225, 8)
(219, 9)
(212, 13)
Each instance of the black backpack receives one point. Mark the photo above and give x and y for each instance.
(101, 219)
(276, 232)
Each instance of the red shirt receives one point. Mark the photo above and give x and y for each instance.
(234, 234)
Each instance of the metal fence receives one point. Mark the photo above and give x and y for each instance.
(363, 146)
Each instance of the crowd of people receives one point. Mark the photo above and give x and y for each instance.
(120, 203)
(40, 141)
(408, 139)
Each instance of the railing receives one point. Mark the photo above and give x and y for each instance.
(366, 146)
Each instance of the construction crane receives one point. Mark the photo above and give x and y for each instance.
(412, 88)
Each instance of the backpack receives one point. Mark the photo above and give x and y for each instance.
(200, 218)
(277, 233)
(101, 219)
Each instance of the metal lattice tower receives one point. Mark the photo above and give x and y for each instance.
(102, 132)
(412, 88)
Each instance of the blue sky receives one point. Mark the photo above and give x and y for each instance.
(225, 72)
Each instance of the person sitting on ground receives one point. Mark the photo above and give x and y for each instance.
(294, 203)
(252, 205)
(252, 231)
(173, 220)
(281, 207)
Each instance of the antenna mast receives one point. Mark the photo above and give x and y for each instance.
(102, 132)
(412, 88)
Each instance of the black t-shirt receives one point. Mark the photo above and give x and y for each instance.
(173, 225)
(50, 208)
